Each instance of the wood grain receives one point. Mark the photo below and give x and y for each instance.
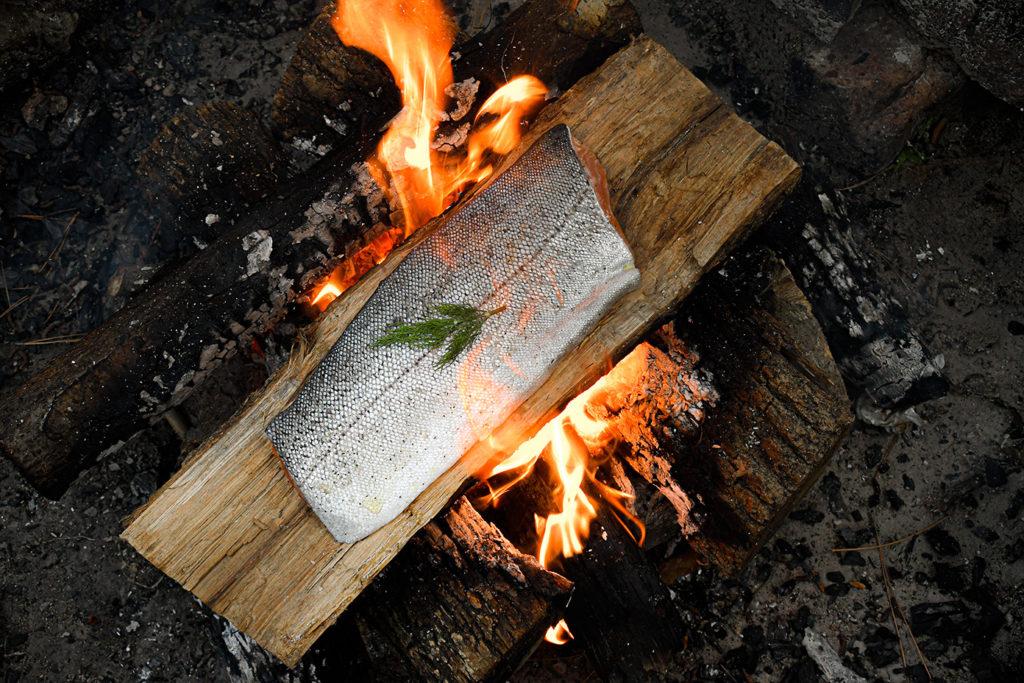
(687, 178)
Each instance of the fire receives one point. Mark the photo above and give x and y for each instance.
(413, 38)
(559, 634)
(574, 444)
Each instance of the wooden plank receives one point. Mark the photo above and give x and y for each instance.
(688, 178)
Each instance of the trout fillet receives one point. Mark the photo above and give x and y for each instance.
(372, 427)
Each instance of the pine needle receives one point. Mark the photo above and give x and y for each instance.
(457, 324)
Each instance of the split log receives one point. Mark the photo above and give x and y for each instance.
(687, 179)
(160, 346)
(877, 348)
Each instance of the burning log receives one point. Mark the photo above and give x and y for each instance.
(229, 525)
(459, 603)
(151, 354)
(327, 83)
(717, 466)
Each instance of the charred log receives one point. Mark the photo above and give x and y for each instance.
(152, 353)
(207, 164)
(782, 410)
(459, 603)
(875, 345)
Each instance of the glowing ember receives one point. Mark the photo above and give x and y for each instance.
(574, 445)
(559, 634)
(413, 38)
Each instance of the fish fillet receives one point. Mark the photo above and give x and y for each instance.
(372, 427)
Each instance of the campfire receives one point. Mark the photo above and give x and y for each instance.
(530, 447)
(422, 179)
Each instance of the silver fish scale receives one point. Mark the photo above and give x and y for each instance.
(373, 427)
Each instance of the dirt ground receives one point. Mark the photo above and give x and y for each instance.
(943, 224)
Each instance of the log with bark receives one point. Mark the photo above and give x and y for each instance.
(782, 407)
(459, 603)
(687, 180)
(160, 346)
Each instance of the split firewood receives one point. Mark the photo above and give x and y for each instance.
(151, 354)
(230, 518)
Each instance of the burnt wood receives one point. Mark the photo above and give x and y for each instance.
(152, 353)
(782, 409)
(877, 348)
(459, 603)
(208, 163)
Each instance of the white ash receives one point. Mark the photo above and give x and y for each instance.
(309, 146)
(211, 218)
(449, 142)
(338, 205)
(337, 125)
(832, 668)
(463, 94)
(258, 245)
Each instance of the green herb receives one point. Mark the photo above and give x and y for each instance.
(456, 324)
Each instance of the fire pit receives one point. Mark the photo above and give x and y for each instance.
(567, 453)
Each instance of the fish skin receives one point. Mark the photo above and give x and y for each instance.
(372, 427)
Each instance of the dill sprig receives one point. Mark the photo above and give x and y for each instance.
(457, 324)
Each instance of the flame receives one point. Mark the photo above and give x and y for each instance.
(559, 634)
(413, 39)
(574, 444)
(327, 293)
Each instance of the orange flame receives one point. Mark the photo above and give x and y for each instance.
(413, 39)
(559, 634)
(573, 444)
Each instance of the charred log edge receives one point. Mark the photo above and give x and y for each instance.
(211, 158)
(154, 351)
(874, 342)
(782, 412)
(322, 89)
(458, 603)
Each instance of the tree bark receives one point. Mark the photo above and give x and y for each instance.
(782, 408)
(459, 603)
